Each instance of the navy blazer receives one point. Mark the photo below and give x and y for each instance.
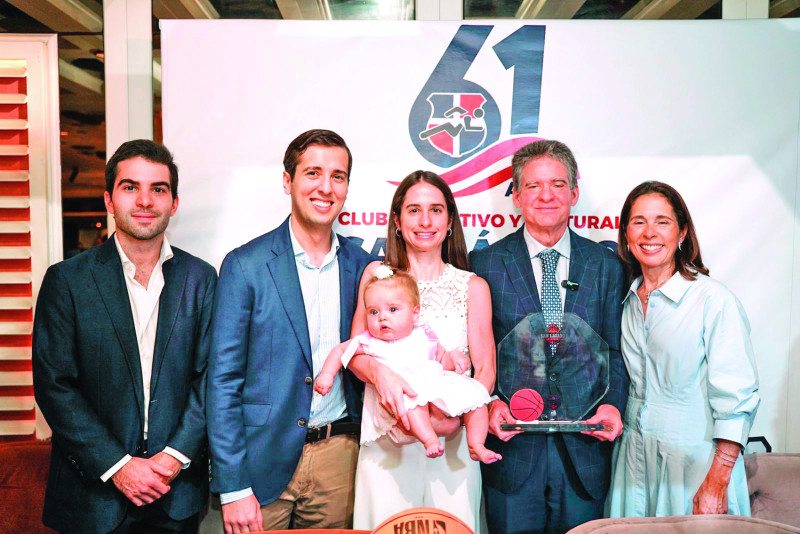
(506, 266)
(260, 380)
(87, 381)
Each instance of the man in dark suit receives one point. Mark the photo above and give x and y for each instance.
(120, 347)
(283, 456)
(550, 483)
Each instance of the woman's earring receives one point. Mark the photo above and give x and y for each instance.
(679, 245)
(397, 233)
(449, 232)
(628, 246)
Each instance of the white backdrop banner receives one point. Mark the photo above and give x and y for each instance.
(710, 107)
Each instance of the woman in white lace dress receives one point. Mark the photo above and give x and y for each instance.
(393, 474)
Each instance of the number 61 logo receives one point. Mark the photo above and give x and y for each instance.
(453, 118)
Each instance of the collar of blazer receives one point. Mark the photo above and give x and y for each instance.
(283, 269)
(520, 271)
(110, 282)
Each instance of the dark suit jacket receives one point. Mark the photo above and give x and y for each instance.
(506, 266)
(87, 380)
(260, 372)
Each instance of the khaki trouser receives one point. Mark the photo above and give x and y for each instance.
(321, 491)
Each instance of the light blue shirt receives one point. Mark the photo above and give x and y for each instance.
(693, 380)
(320, 287)
(693, 344)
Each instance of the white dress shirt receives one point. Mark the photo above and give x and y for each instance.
(144, 308)
(562, 246)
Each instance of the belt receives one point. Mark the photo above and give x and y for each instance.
(336, 428)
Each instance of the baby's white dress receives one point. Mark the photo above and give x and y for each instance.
(413, 358)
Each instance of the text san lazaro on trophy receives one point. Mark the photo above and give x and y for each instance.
(559, 374)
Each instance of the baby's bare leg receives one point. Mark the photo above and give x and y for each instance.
(420, 422)
(477, 423)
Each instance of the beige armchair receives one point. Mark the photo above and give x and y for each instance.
(774, 483)
(685, 524)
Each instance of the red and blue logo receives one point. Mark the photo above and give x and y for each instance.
(456, 124)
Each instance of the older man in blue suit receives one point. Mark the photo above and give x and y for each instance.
(283, 456)
(551, 483)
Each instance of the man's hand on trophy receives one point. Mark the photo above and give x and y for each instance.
(608, 415)
(499, 414)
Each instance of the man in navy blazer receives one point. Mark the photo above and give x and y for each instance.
(120, 347)
(283, 456)
(551, 483)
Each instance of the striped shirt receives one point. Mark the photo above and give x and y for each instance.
(320, 287)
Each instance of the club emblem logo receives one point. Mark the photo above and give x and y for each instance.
(456, 125)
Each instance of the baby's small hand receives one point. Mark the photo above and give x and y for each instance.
(461, 362)
(323, 384)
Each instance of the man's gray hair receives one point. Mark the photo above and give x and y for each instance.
(544, 148)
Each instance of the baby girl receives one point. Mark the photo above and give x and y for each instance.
(413, 352)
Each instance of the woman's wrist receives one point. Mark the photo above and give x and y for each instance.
(720, 472)
(726, 454)
(726, 458)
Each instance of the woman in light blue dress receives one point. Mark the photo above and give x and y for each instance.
(694, 384)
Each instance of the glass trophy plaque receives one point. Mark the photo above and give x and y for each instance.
(552, 377)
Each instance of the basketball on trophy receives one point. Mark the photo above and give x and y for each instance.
(526, 405)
